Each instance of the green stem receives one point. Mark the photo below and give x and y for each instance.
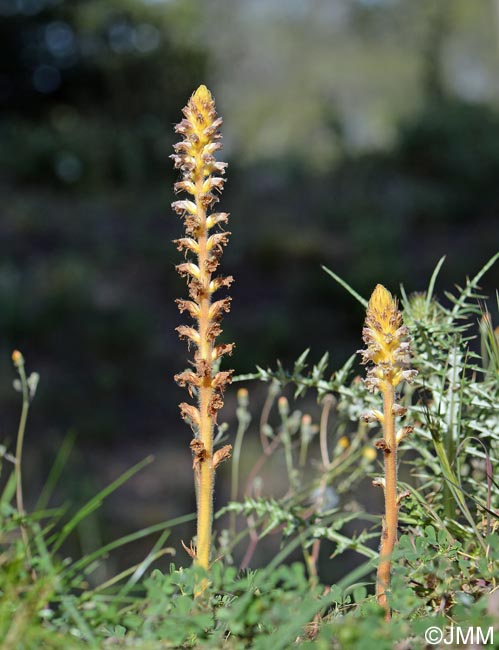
(303, 452)
(236, 456)
(390, 520)
(288, 453)
(19, 448)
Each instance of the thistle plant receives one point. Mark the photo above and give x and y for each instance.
(387, 352)
(201, 179)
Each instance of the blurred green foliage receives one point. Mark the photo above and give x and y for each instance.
(89, 90)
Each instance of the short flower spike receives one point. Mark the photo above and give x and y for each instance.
(388, 355)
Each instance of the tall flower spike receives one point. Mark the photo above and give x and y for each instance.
(388, 355)
(202, 179)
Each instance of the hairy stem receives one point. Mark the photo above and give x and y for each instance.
(388, 350)
(206, 472)
(389, 532)
(236, 456)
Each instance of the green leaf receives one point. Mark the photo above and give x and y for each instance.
(95, 502)
(346, 286)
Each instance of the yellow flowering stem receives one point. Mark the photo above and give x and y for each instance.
(207, 477)
(202, 178)
(387, 354)
(389, 530)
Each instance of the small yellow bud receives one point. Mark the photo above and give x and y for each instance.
(242, 397)
(283, 405)
(17, 358)
(306, 428)
(369, 453)
(343, 442)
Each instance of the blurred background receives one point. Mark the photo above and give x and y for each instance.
(361, 134)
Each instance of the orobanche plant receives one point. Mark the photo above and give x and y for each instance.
(387, 352)
(202, 178)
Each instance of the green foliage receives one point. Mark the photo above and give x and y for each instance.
(438, 572)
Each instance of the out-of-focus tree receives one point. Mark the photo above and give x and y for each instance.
(89, 90)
